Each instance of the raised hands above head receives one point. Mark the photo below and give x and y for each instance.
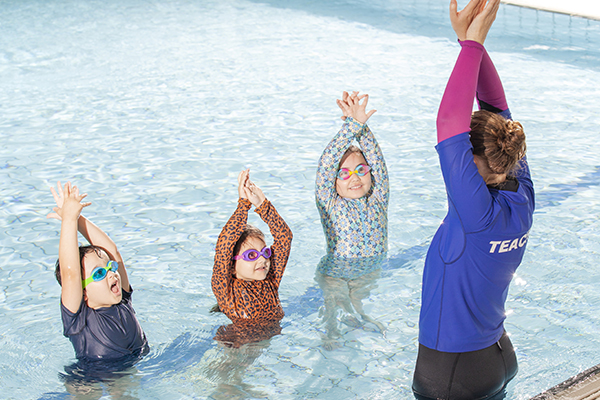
(248, 190)
(475, 20)
(68, 202)
(351, 106)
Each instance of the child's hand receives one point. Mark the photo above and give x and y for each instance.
(351, 107)
(254, 193)
(59, 199)
(344, 102)
(242, 178)
(68, 202)
(248, 190)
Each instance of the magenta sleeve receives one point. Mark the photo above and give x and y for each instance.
(454, 115)
(489, 86)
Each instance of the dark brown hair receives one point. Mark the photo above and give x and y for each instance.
(500, 141)
(83, 250)
(351, 149)
(249, 231)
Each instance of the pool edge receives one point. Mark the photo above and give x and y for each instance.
(584, 386)
(564, 9)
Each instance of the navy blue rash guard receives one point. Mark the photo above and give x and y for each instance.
(106, 333)
(474, 253)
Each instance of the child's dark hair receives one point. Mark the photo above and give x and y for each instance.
(350, 150)
(83, 250)
(249, 231)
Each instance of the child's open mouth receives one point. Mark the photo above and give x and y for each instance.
(115, 287)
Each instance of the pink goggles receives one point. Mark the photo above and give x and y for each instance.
(361, 170)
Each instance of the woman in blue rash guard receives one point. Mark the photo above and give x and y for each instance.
(464, 351)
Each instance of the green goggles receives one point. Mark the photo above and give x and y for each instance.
(100, 273)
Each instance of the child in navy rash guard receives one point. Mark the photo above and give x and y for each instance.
(96, 307)
(464, 352)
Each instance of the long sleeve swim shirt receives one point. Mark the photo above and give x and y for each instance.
(353, 227)
(479, 245)
(251, 299)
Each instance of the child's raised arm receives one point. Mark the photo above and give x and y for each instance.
(379, 172)
(94, 235)
(370, 148)
(353, 115)
(222, 273)
(68, 250)
(282, 234)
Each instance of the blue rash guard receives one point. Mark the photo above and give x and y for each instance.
(106, 333)
(474, 253)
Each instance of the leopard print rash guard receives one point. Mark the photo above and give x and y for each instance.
(251, 299)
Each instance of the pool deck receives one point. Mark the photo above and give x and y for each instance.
(585, 386)
(579, 8)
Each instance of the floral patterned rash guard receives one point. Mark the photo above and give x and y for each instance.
(354, 228)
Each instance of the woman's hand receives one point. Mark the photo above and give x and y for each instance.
(461, 20)
(482, 23)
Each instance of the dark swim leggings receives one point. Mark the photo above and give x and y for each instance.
(473, 375)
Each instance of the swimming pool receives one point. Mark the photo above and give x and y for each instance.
(154, 107)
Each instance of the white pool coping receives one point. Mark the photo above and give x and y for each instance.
(579, 8)
(585, 386)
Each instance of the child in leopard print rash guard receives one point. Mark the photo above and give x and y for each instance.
(247, 273)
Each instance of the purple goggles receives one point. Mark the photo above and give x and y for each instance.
(253, 254)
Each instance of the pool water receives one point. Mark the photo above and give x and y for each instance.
(153, 108)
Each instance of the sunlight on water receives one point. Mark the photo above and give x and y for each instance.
(153, 108)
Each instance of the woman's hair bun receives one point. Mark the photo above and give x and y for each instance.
(501, 141)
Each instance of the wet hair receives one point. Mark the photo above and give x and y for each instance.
(83, 250)
(351, 149)
(250, 231)
(500, 141)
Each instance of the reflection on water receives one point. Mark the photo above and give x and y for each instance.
(197, 365)
(94, 380)
(346, 283)
(228, 369)
(87, 380)
(242, 332)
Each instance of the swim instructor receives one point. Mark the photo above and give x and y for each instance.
(464, 351)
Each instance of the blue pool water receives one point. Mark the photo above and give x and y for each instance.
(153, 107)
